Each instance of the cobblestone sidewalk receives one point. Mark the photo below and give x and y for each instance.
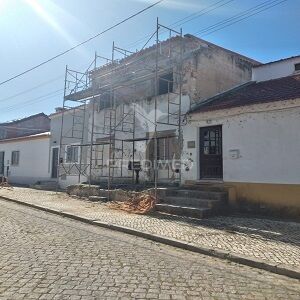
(272, 241)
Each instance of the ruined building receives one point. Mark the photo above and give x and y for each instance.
(127, 126)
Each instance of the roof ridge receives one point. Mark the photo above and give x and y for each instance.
(253, 92)
(24, 119)
(210, 99)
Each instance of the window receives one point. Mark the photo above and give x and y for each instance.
(297, 67)
(165, 148)
(2, 133)
(165, 84)
(104, 101)
(72, 154)
(15, 157)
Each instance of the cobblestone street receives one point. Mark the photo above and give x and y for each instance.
(49, 257)
(272, 241)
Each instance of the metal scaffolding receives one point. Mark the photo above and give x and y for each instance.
(110, 86)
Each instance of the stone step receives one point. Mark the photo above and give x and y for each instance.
(193, 212)
(98, 198)
(204, 187)
(193, 202)
(45, 185)
(211, 195)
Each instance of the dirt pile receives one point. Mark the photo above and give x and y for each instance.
(138, 203)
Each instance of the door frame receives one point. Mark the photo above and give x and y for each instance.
(51, 165)
(200, 145)
(3, 163)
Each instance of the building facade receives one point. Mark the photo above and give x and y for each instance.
(137, 104)
(248, 139)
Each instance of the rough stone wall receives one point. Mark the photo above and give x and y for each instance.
(207, 70)
(211, 70)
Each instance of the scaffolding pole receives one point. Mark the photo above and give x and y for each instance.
(91, 87)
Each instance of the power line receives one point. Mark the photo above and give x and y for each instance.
(230, 21)
(82, 43)
(240, 14)
(31, 89)
(238, 17)
(186, 19)
(32, 101)
(202, 12)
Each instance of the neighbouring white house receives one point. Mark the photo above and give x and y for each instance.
(25, 159)
(248, 139)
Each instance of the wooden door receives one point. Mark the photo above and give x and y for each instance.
(54, 168)
(211, 158)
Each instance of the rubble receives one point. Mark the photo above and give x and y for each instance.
(138, 203)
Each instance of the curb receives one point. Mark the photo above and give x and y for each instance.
(279, 269)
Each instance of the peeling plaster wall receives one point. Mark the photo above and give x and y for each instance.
(207, 70)
(212, 70)
(143, 128)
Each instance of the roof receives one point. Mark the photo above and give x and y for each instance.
(27, 137)
(286, 88)
(66, 110)
(24, 119)
(276, 61)
(186, 37)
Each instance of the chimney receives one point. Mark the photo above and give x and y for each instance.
(59, 109)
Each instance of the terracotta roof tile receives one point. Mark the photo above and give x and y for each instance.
(286, 88)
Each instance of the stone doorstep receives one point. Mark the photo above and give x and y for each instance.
(193, 202)
(289, 271)
(194, 212)
(200, 194)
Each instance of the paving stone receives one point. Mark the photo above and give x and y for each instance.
(264, 239)
(43, 254)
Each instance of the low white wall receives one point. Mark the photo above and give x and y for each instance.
(268, 142)
(33, 161)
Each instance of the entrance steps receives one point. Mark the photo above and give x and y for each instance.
(98, 198)
(49, 185)
(195, 202)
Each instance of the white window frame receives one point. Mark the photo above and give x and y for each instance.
(66, 153)
(12, 161)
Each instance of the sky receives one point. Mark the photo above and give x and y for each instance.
(32, 31)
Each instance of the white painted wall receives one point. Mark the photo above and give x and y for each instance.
(275, 70)
(33, 163)
(55, 128)
(269, 145)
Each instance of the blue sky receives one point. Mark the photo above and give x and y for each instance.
(34, 30)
